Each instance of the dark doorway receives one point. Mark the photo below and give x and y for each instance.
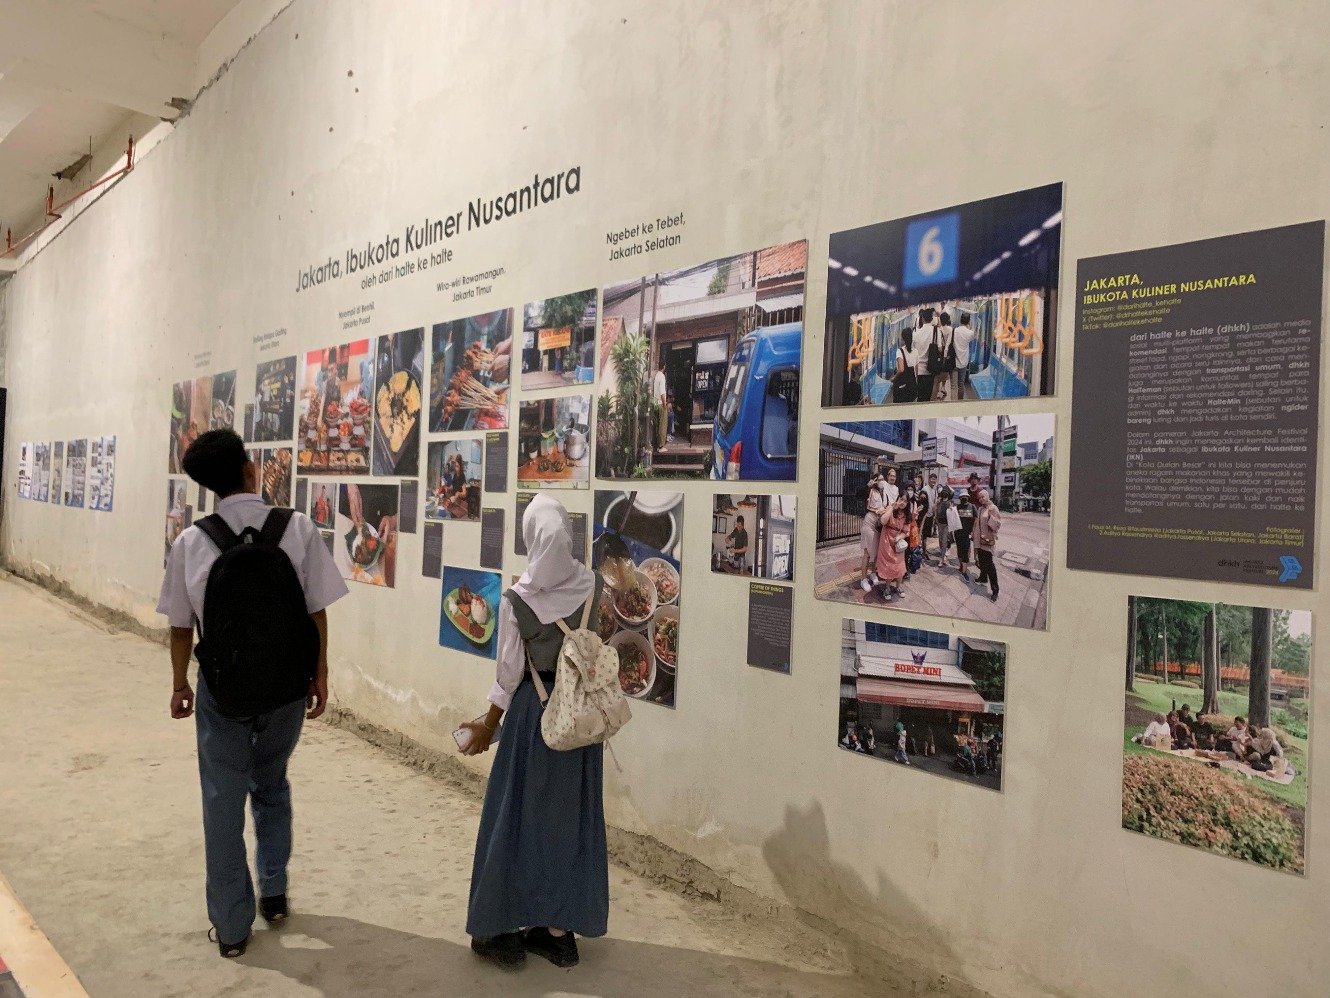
(678, 360)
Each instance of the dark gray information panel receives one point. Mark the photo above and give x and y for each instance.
(578, 522)
(433, 548)
(496, 462)
(408, 510)
(491, 539)
(302, 494)
(519, 542)
(1194, 409)
(770, 611)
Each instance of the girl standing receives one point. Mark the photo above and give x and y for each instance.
(541, 872)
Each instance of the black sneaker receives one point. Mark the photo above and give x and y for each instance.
(274, 909)
(558, 950)
(229, 951)
(506, 950)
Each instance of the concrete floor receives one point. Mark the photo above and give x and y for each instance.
(103, 845)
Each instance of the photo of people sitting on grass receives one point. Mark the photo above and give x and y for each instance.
(1216, 728)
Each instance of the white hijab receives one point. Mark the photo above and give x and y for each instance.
(555, 583)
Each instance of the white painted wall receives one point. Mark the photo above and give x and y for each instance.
(764, 123)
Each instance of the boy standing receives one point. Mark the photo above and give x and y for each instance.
(257, 583)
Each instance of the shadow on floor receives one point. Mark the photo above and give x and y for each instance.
(342, 957)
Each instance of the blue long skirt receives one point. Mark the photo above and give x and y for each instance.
(540, 853)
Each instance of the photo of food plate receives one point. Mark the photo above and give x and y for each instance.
(399, 374)
(334, 411)
(469, 610)
(637, 537)
(365, 529)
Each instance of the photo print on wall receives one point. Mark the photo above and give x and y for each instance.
(469, 610)
(398, 395)
(957, 304)
(276, 474)
(274, 400)
(453, 475)
(641, 620)
(201, 404)
(753, 536)
(700, 368)
(1216, 728)
(559, 341)
(179, 515)
(323, 504)
(76, 470)
(58, 470)
(554, 443)
(470, 371)
(365, 533)
(335, 410)
(944, 516)
(932, 701)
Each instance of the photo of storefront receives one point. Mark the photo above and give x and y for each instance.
(559, 341)
(923, 698)
(668, 343)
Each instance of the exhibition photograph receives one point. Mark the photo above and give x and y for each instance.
(811, 498)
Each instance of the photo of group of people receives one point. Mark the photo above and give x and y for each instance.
(274, 400)
(699, 370)
(335, 411)
(554, 443)
(470, 372)
(944, 516)
(753, 536)
(454, 472)
(951, 305)
(199, 405)
(559, 341)
(399, 375)
(637, 543)
(924, 699)
(364, 534)
(1216, 728)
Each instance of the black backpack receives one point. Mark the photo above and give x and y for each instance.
(258, 647)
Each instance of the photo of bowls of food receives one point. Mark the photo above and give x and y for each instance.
(399, 373)
(637, 667)
(469, 610)
(335, 410)
(635, 549)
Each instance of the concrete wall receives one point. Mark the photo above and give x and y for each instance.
(764, 123)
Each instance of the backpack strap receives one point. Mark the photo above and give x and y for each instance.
(535, 678)
(219, 532)
(274, 527)
(586, 610)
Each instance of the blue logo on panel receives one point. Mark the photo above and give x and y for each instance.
(932, 250)
(1292, 568)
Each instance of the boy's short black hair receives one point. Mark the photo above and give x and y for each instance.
(216, 460)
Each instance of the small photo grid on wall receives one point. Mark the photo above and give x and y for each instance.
(454, 472)
(932, 701)
(1216, 728)
(637, 545)
(559, 341)
(753, 536)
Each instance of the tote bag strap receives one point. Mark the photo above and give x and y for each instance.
(535, 678)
